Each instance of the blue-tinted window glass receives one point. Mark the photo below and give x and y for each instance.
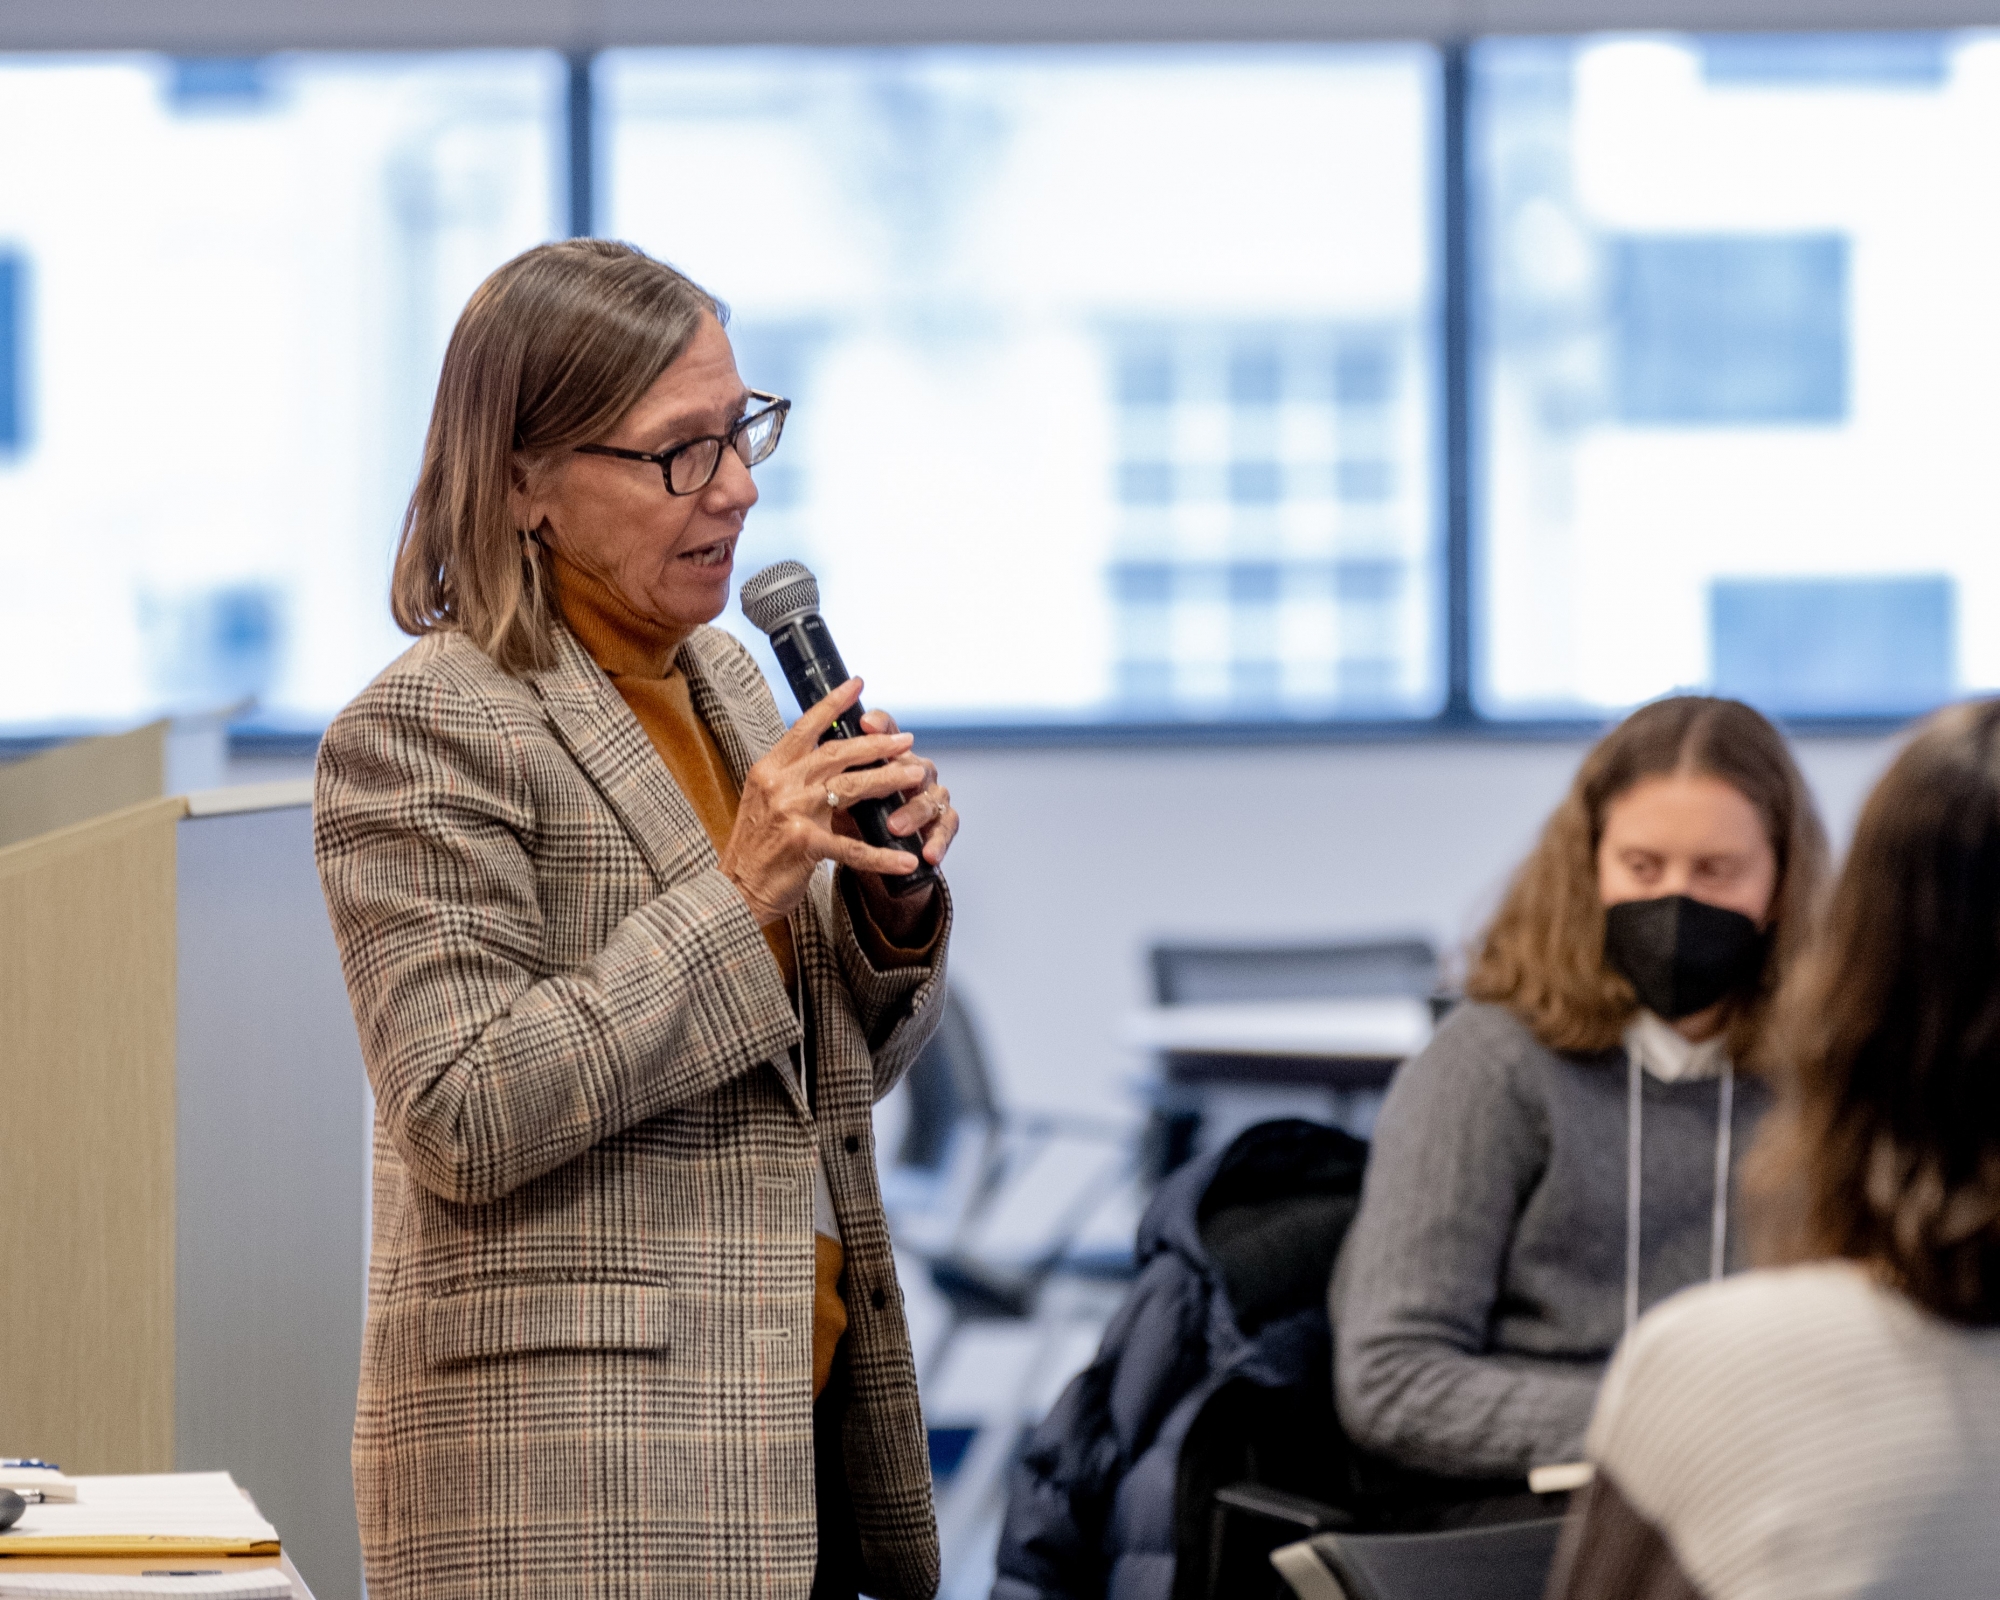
(222, 83)
(1828, 60)
(1367, 582)
(1365, 482)
(1836, 646)
(1143, 583)
(1364, 375)
(1145, 378)
(1256, 376)
(1733, 353)
(13, 352)
(1257, 681)
(1256, 483)
(1146, 483)
(1254, 583)
(244, 273)
(1719, 329)
(1095, 328)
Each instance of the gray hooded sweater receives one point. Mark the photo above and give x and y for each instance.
(1482, 1286)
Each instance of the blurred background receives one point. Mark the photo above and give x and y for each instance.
(1256, 456)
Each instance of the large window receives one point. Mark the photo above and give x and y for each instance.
(1134, 385)
(225, 288)
(1738, 370)
(1113, 368)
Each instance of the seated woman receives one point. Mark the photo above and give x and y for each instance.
(1560, 1155)
(1832, 1427)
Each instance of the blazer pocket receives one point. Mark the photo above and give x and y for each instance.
(508, 1319)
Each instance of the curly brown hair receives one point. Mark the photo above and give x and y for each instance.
(1886, 1146)
(1542, 955)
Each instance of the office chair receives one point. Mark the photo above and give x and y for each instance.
(962, 1161)
(1508, 1561)
(959, 1152)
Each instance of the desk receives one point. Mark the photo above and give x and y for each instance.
(1338, 1045)
(23, 1564)
(1223, 1067)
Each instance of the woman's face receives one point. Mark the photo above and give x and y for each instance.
(1687, 833)
(669, 557)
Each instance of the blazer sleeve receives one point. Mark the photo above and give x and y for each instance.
(1458, 1146)
(489, 1073)
(898, 1006)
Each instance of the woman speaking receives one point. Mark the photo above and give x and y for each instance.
(633, 1323)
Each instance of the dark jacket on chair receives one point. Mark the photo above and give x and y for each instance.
(1233, 1255)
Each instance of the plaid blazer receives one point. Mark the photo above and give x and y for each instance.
(587, 1369)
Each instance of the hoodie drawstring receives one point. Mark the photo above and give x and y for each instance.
(1718, 1239)
(1633, 1147)
(1718, 1242)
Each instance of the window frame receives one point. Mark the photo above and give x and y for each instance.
(1458, 716)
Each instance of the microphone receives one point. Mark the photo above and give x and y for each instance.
(783, 601)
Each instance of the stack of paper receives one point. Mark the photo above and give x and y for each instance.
(44, 1481)
(168, 1513)
(260, 1583)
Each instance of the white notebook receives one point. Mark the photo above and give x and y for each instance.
(144, 1514)
(260, 1583)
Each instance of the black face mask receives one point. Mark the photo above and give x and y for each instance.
(1682, 955)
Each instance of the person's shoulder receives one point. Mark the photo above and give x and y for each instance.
(441, 668)
(1805, 1421)
(1481, 1062)
(443, 699)
(1489, 1025)
(1730, 1356)
(1479, 1036)
(1819, 1302)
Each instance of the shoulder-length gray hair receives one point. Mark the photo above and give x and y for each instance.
(549, 353)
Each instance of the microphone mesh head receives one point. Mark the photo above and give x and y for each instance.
(783, 590)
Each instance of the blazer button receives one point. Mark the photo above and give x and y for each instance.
(878, 1299)
(853, 1144)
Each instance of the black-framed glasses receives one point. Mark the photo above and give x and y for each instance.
(689, 467)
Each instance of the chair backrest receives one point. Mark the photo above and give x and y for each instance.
(1504, 1561)
(948, 1084)
(1226, 974)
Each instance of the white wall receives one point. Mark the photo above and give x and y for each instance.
(1073, 861)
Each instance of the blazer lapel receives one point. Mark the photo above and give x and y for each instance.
(745, 730)
(728, 715)
(599, 730)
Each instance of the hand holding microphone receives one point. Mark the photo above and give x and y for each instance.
(841, 785)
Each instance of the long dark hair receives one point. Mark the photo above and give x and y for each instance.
(1542, 956)
(1886, 1149)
